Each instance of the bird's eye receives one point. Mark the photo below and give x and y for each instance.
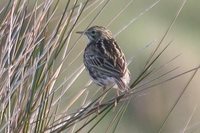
(93, 32)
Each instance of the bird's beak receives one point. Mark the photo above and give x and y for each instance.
(80, 32)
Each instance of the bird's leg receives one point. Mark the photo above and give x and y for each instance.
(100, 101)
(116, 101)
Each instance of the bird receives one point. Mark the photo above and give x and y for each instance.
(104, 59)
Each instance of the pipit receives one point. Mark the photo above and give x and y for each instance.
(104, 59)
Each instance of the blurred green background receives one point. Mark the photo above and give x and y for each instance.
(148, 109)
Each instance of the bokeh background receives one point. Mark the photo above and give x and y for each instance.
(147, 111)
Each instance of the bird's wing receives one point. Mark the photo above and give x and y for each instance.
(106, 57)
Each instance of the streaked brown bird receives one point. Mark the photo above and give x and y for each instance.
(104, 59)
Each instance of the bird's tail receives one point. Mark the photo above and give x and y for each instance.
(123, 82)
(123, 87)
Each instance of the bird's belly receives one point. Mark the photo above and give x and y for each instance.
(101, 78)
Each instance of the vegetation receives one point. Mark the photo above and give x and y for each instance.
(42, 91)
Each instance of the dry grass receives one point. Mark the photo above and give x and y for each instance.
(32, 55)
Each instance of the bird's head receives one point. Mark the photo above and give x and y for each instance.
(95, 33)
